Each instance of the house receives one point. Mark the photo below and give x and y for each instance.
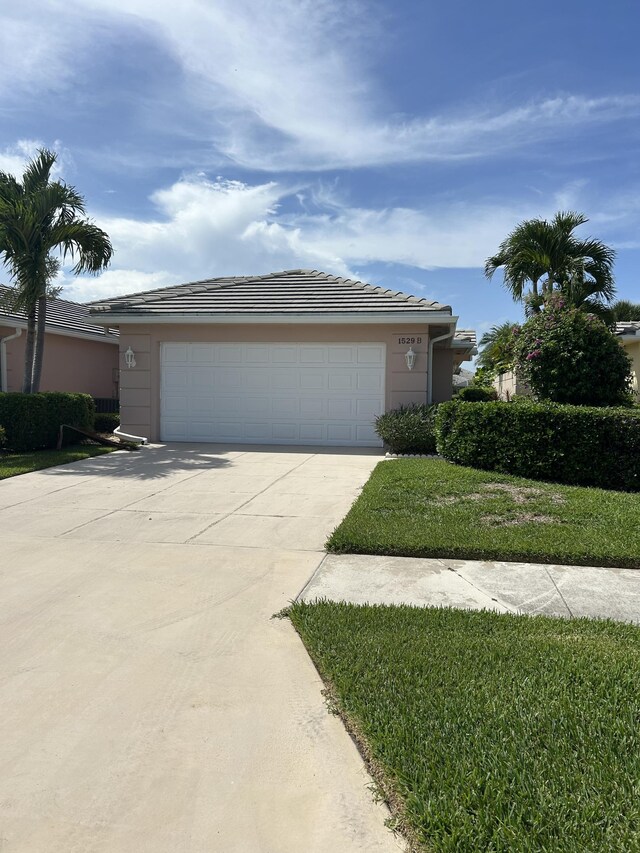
(629, 336)
(79, 355)
(508, 385)
(295, 357)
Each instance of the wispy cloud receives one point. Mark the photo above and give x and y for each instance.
(205, 228)
(288, 85)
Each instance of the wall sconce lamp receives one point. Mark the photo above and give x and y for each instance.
(410, 358)
(130, 358)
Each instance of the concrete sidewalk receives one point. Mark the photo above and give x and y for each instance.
(567, 591)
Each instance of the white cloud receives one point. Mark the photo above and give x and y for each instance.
(209, 228)
(289, 84)
(14, 158)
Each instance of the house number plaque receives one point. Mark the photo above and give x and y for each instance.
(409, 339)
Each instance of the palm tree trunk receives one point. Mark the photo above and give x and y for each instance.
(39, 353)
(29, 350)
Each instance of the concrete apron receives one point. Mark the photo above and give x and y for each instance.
(567, 591)
(149, 701)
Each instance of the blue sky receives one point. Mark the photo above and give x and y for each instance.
(394, 142)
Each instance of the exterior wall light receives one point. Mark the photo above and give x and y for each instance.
(410, 358)
(130, 358)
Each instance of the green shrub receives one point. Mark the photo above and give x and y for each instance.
(106, 421)
(3, 437)
(32, 421)
(564, 444)
(477, 394)
(409, 429)
(568, 356)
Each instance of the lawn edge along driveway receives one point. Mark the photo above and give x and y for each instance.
(431, 508)
(488, 731)
(14, 464)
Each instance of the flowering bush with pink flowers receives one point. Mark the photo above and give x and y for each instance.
(568, 356)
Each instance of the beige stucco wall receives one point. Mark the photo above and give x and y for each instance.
(70, 364)
(633, 350)
(442, 387)
(508, 384)
(140, 386)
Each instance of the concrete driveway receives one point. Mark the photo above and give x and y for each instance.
(149, 702)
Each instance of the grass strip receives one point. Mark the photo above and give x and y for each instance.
(489, 732)
(431, 508)
(13, 464)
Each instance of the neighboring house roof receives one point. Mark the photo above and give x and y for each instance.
(465, 338)
(629, 330)
(303, 295)
(462, 378)
(63, 317)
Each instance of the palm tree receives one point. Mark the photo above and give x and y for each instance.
(41, 223)
(624, 311)
(497, 344)
(546, 257)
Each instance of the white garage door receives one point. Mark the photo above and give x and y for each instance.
(272, 393)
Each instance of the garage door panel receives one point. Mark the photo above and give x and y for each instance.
(272, 393)
(201, 406)
(313, 355)
(340, 381)
(312, 432)
(285, 407)
(201, 377)
(174, 430)
(366, 433)
(340, 433)
(176, 377)
(227, 379)
(310, 381)
(368, 408)
(312, 407)
(285, 380)
(371, 355)
(256, 431)
(201, 354)
(176, 353)
(341, 355)
(285, 355)
(229, 354)
(368, 380)
(339, 408)
(257, 354)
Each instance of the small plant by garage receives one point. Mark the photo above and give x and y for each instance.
(409, 429)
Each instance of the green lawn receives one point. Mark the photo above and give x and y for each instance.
(430, 508)
(489, 732)
(12, 464)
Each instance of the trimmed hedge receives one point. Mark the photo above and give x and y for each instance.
(546, 441)
(106, 421)
(32, 421)
(3, 437)
(409, 429)
(477, 394)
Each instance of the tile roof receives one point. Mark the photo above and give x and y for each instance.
(465, 336)
(628, 328)
(62, 316)
(288, 292)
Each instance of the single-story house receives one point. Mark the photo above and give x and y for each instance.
(629, 335)
(79, 356)
(295, 357)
